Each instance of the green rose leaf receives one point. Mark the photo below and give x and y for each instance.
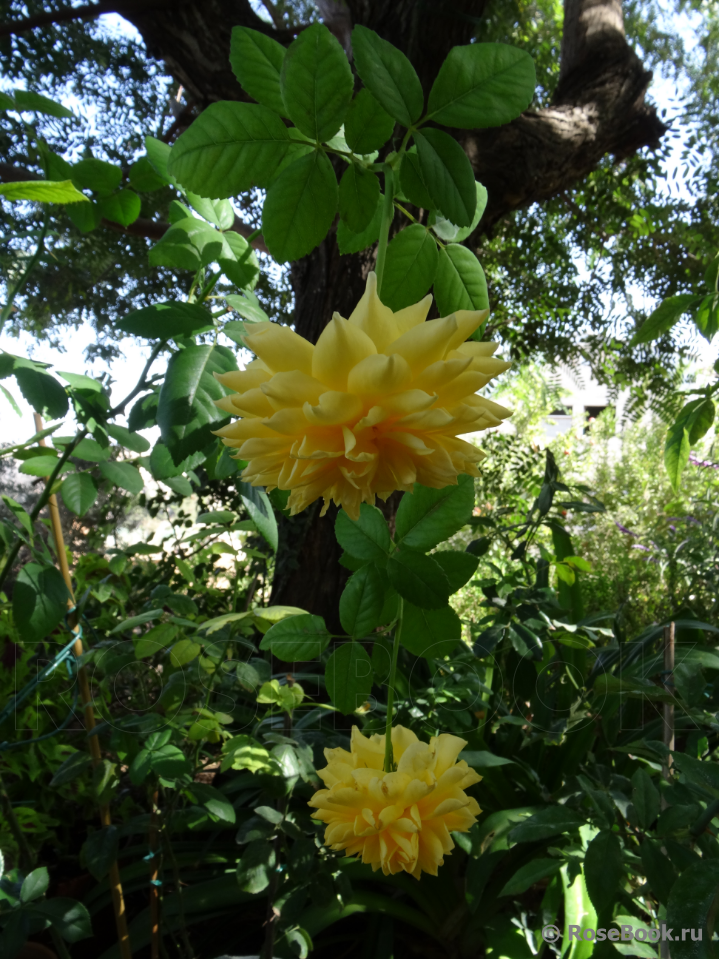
(388, 75)
(79, 492)
(448, 175)
(603, 869)
(658, 869)
(69, 917)
(300, 207)
(122, 207)
(316, 82)
(359, 197)
(348, 675)
(410, 267)
(39, 601)
(256, 61)
(297, 638)
(426, 517)
(124, 475)
(665, 316)
(37, 103)
(362, 601)
(35, 884)
(460, 283)
(162, 321)
(42, 391)
(412, 182)
(241, 266)
(258, 505)
(693, 903)
(645, 798)
(218, 212)
(432, 633)
(527, 875)
(256, 867)
(418, 578)
(97, 175)
(349, 242)
(144, 178)
(186, 410)
(100, 850)
(458, 567)
(549, 822)
(366, 538)
(230, 148)
(692, 423)
(482, 85)
(368, 126)
(44, 191)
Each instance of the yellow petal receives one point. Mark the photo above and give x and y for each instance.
(280, 348)
(373, 317)
(292, 388)
(446, 749)
(425, 344)
(332, 408)
(467, 323)
(340, 347)
(443, 371)
(478, 348)
(253, 402)
(378, 375)
(247, 379)
(412, 316)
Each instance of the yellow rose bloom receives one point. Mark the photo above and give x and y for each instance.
(399, 821)
(377, 405)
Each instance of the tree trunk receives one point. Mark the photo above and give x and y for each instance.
(598, 109)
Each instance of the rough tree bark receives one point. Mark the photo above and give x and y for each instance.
(598, 108)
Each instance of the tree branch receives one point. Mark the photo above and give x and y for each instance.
(88, 12)
(149, 229)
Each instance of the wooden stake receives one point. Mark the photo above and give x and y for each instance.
(154, 873)
(668, 730)
(118, 900)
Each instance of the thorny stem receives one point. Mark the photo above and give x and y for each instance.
(387, 216)
(389, 765)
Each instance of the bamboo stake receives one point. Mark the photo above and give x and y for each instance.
(118, 900)
(154, 874)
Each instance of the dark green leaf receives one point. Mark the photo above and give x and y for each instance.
(39, 601)
(37, 103)
(79, 492)
(348, 675)
(658, 869)
(144, 178)
(691, 425)
(256, 61)
(349, 242)
(706, 318)
(690, 682)
(170, 762)
(124, 475)
(122, 207)
(316, 82)
(242, 266)
(131, 441)
(43, 392)
(482, 85)
(460, 283)
(428, 516)
(487, 640)
(35, 885)
(230, 148)
(418, 578)
(300, 207)
(85, 216)
(665, 316)
(645, 798)
(448, 175)
(388, 75)
(158, 153)
(41, 465)
(259, 507)
(362, 601)
(359, 197)
(368, 126)
(186, 410)
(366, 538)
(101, 850)
(412, 182)
(693, 904)
(256, 866)
(603, 869)
(297, 638)
(97, 175)
(215, 801)
(458, 567)
(549, 822)
(165, 320)
(410, 267)
(432, 633)
(528, 874)
(75, 764)
(70, 918)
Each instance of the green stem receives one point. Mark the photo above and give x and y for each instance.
(389, 765)
(387, 217)
(59, 943)
(22, 280)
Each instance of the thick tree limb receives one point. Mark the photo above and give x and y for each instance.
(87, 12)
(150, 229)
